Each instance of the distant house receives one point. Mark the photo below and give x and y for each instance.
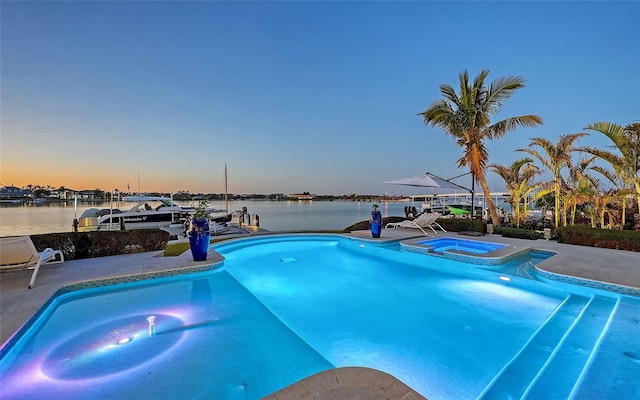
(86, 194)
(302, 196)
(13, 193)
(62, 194)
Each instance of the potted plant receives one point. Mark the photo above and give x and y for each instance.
(375, 223)
(199, 234)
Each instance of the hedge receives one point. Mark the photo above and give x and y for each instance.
(449, 224)
(459, 225)
(518, 233)
(596, 237)
(75, 245)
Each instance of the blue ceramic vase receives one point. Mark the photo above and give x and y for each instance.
(199, 238)
(375, 223)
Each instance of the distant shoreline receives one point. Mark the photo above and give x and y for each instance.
(44, 200)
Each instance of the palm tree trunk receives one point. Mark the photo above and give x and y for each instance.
(516, 206)
(557, 205)
(487, 196)
(624, 211)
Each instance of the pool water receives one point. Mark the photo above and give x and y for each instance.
(441, 245)
(212, 340)
(284, 307)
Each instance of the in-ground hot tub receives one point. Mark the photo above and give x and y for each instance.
(440, 245)
(465, 250)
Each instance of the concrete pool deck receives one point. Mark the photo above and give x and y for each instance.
(18, 304)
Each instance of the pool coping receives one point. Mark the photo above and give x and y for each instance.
(573, 280)
(347, 383)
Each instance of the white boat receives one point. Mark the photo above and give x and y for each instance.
(148, 212)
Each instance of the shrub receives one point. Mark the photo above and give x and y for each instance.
(76, 245)
(596, 237)
(449, 224)
(518, 233)
(459, 225)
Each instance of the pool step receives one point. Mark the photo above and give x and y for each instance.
(568, 337)
(574, 351)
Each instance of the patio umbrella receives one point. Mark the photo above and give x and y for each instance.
(428, 181)
(433, 181)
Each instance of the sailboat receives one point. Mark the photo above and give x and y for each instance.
(223, 225)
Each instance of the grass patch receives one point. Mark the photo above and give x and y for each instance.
(175, 249)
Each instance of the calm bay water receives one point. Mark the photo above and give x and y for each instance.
(274, 215)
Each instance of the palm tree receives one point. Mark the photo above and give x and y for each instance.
(519, 183)
(466, 117)
(555, 158)
(578, 188)
(600, 202)
(626, 162)
(620, 192)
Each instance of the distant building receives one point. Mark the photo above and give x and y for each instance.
(87, 194)
(302, 196)
(64, 194)
(12, 192)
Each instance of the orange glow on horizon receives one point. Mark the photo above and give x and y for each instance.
(151, 185)
(91, 180)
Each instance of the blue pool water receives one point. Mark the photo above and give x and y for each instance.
(284, 307)
(469, 246)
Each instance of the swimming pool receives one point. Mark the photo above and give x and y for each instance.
(283, 307)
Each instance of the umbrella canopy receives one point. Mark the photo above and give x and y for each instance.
(427, 180)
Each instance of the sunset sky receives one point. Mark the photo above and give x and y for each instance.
(294, 96)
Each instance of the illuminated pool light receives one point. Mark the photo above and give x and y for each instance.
(124, 340)
(504, 278)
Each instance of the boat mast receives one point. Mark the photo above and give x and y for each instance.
(226, 192)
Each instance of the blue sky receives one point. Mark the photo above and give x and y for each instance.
(294, 96)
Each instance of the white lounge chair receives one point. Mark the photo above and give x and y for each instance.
(19, 252)
(426, 220)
